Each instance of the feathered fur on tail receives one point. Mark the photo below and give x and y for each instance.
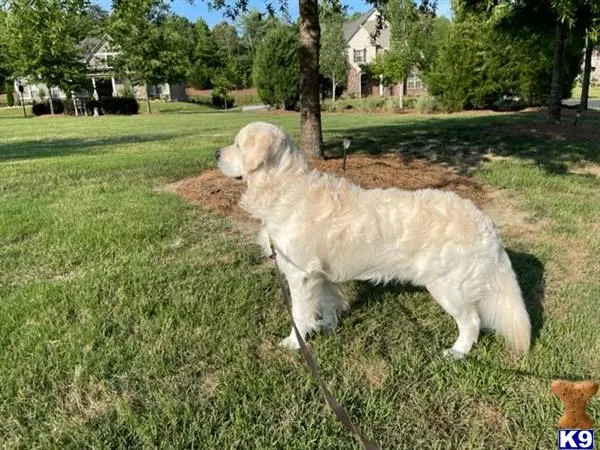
(504, 309)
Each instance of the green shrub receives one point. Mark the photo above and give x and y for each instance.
(10, 94)
(366, 105)
(276, 68)
(119, 105)
(221, 99)
(410, 102)
(43, 108)
(427, 104)
(128, 90)
(480, 62)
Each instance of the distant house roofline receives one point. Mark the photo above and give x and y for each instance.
(92, 44)
(351, 28)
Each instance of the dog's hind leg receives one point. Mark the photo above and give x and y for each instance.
(303, 290)
(464, 312)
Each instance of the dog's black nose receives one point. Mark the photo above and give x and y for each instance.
(217, 154)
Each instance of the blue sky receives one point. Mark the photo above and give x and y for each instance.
(200, 10)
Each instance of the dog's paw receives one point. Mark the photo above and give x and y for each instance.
(454, 354)
(327, 323)
(290, 343)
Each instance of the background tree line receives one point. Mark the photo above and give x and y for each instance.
(491, 51)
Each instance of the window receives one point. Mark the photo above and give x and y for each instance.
(154, 90)
(360, 56)
(56, 93)
(109, 60)
(413, 81)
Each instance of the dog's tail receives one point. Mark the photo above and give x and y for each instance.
(503, 310)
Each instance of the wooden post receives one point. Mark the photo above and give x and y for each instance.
(74, 103)
(21, 89)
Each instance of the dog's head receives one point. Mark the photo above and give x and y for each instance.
(259, 146)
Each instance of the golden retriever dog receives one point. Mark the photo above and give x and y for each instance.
(327, 230)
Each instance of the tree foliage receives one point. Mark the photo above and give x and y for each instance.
(334, 53)
(410, 27)
(254, 26)
(5, 58)
(205, 59)
(492, 54)
(275, 72)
(565, 20)
(151, 49)
(43, 41)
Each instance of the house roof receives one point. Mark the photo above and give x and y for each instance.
(383, 38)
(350, 28)
(91, 45)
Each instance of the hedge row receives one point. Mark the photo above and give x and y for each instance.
(106, 105)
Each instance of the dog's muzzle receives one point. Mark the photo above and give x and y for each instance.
(217, 154)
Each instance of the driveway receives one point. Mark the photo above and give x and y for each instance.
(593, 103)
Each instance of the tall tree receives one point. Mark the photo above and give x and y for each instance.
(254, 27)
(5, 59)
(205, 60)
(234, 69)
(592, 39)
(568, 18)
(44, 41)
(276, 65)
(151, 50)
(92, 22)
(334, 53)
(409, 29)
(311, 135)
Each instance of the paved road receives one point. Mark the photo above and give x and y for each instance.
(593, 103)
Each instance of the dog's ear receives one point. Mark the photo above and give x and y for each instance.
(257, 148)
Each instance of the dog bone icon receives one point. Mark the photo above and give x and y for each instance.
(574, 396)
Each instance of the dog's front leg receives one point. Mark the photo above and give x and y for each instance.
(304, 305)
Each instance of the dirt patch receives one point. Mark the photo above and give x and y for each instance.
(220, 194)
(491, 415)
(375, 372)
(585, 130)
(590, 169)
(510, 218)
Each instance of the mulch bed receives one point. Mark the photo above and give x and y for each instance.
(220, 194)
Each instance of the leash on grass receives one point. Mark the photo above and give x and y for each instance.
(338, 409)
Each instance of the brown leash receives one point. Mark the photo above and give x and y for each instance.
(338, 409)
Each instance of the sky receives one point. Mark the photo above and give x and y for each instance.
(199, 9)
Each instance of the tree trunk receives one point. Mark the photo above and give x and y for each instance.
(555, 101)
(333, 94)
(148, 98)
(401, 94)
(587, 71)
(311, 135)
(51, 102)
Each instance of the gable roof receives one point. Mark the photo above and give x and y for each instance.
(91, 45)
(350, 28)
(379, 37)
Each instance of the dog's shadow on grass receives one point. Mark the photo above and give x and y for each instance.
(530, 274)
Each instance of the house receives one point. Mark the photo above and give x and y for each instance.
(98, 56)
(364, 44)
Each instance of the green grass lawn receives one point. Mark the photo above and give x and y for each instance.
(130, 318)
(593, 93)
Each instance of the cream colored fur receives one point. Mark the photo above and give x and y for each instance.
(327, 230)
